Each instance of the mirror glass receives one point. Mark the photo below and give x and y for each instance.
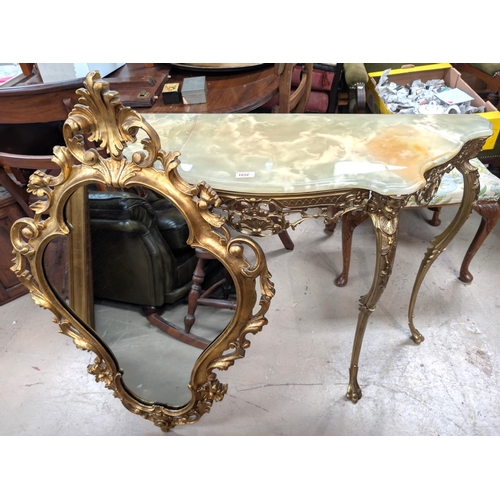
(139, 284)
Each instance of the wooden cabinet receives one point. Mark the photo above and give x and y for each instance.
(10, 286)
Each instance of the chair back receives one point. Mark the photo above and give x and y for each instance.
(293, 100)
(31, 120)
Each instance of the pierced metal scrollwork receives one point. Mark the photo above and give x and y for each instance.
(101, 119)
(271, 216)
(435, 175)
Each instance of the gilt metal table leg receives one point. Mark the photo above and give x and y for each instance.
(438, 245)
(384, 212)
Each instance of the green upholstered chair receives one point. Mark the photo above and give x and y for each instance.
(488, 73)
(356, 78)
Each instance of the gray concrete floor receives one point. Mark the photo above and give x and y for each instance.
(294, 376)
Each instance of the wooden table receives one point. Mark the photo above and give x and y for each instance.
(228, 91)
(236, 91)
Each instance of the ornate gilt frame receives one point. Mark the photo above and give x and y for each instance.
(101, 119)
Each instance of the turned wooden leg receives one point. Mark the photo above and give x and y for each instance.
(16, 191)
(350, 221)
(435, 221)
(490, 212)
(286, 240)
(494, 98)
(195, 293)
(330, 227)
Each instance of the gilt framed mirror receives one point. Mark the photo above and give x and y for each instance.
(130, 258)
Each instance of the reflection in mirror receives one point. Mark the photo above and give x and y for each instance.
(145, 297)
(55, 265)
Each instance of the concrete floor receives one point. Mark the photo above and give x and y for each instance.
(294, 377)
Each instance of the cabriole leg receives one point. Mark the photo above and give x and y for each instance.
(384, 212)
(439, 244)
(490, 212)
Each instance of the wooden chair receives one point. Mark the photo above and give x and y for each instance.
(449, 193)
(488, 73)
(356, 78)
(292, 101)
(31, 119)
(289, 101)
(30, 126)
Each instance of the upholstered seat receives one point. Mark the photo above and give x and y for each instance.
(449, 193)
(450, 190)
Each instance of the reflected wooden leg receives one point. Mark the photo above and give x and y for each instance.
(439, 244)
(195, 292)
(197, 296)
(350, 221)
(384, 212)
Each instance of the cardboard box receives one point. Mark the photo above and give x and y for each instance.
(452, 79)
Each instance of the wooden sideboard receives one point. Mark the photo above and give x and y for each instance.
(10, 286)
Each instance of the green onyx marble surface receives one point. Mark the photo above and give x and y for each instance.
(306, 153)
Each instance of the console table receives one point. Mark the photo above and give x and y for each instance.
(273, 172)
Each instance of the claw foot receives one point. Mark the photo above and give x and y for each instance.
(353, 392)
(417, 337)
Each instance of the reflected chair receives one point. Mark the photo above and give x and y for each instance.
(449, 193)
(140, 255)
